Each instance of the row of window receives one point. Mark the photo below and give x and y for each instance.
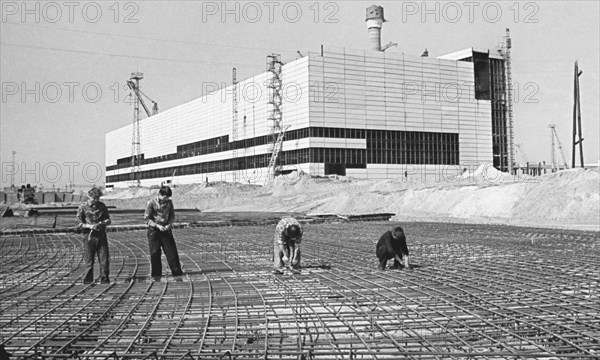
(395, 140)
(126, 162)
(349, 158)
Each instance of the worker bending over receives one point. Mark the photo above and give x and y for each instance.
(288, 236)
(392, 245)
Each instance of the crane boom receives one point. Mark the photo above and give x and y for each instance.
(139, 94)
(522, 151)
(560, 148)
(154, 103)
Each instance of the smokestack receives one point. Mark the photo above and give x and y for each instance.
(374, 22)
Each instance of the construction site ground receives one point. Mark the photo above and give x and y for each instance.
(476, 292)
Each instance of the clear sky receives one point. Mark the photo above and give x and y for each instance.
(64, 65)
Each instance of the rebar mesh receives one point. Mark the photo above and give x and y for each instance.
(477, 292)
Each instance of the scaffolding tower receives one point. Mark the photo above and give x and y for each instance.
(135, 138)
(509, 101)
(276, 129)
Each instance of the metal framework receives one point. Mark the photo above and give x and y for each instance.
(477, 292)
(135, 138)
(555, 140)
(276, 130)
(509, 101)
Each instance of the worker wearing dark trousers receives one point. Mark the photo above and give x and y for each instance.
(164, 240)
(92, 219)
(159, 217)
(95, 243)
(392, 245)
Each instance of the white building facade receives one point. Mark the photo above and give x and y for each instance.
(363, 114)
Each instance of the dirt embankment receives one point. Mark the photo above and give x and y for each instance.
(566, 199)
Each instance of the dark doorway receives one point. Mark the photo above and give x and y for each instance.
(335, 169)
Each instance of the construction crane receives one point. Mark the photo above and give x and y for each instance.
(136, 155)
(562, 153)
(276, 149)
(522, 152)
(139, 93)
(388, 45)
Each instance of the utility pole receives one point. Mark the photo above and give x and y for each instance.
(552, 152)
(577, 118)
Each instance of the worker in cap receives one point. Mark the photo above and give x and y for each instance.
(288, 236)
(92, 220)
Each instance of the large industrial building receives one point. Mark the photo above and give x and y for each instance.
(366, 114)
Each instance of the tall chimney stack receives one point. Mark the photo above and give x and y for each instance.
(374, 22)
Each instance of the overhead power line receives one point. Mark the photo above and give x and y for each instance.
(124, 55)
(155, 39)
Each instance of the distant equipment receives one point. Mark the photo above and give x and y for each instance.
(136, 155)
(389, 45)
(562, 153)
(521, 150)
(170, 181)
(27, 194)
(133, 84)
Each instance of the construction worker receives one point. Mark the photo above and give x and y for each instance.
(286, 251)
(4, 355)
(93, 218)
(159, 216)
(392, 245)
